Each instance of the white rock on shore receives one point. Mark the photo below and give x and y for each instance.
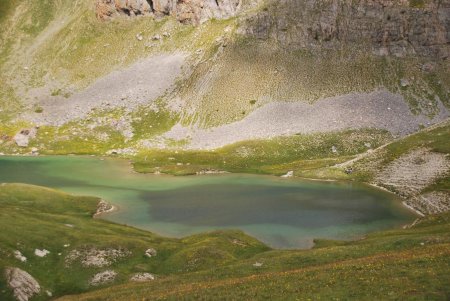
(289, 174)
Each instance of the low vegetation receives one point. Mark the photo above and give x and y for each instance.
(395, 264)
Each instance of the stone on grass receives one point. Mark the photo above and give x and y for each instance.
(24, 286)
(103, 277)
(142, 277)
(150, 252)
(22, 138)
(41, 253)
(18, 255)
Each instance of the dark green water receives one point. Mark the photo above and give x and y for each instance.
(284, 213)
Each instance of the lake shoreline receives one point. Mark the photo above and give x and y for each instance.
(132, 169)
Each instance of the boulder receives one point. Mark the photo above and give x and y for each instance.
(23, 284)
(150, 252)
(22, 138)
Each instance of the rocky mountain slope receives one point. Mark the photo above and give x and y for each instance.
(124, 77)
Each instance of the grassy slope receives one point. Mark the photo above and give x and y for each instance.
(395, 264)
(35, 218)
(388, 265)
(273, 156)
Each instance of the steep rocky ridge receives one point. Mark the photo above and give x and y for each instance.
(186, 11)
(386, 27)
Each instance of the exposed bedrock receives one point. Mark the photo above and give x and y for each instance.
(386, 27)
(186, 11)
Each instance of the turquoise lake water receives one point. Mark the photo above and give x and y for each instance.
(284, 213)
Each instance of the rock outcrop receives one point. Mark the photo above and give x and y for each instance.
(92, 257)
(385, 27)
(142, 277)
(23, 284)
(186, 11)
(103, 277)
(109, 8)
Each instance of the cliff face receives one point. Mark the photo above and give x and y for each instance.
(385, 27)
(186, 11)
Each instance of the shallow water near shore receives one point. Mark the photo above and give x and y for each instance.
(283, 213)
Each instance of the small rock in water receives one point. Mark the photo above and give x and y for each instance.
(41, 253)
